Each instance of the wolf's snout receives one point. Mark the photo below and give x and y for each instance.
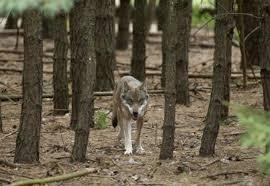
(135, 114)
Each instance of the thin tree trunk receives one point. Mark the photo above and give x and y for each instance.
(184, 27)
(265, 53)
(250, 32)
(83, 17)
(163, 11)
(123, 25)
(27, 142)
(60, 81)
(223, 29)
(138, 45)
(105, 44)
(170, 90)
(11, 21)
(150, 14)
(265, 77)
(47, 27)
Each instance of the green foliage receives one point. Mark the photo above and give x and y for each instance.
(198, 20)
(101, 120)
(48, 7)
(258, 132)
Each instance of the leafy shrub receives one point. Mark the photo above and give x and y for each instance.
(258, 132)
(101, 120)
(48, 7)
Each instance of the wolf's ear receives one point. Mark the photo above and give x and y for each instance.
(125, 87)
(143, 86)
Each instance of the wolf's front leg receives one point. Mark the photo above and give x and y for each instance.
(127, 136)
(139, 148)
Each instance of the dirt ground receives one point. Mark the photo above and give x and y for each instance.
(232, 164)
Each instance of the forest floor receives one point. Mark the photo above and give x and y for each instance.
(232, 164)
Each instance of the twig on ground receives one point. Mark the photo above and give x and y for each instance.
(8, 164)
(10, 134)
(63, 177)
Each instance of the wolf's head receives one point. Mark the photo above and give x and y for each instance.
(135, 99)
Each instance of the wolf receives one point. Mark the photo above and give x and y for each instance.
(130, 101)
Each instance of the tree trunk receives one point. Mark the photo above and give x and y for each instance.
(123, 25)
(11, 21)
(170, 90)
(27, 142)
(161, 13)
(1, 121)
(83, 52)
(138, 44)
(220, 84)
(150, 14)
(105, 44)
(60, 81)
(184, 26)
(264, 53)
(47, 27)
(251, 31)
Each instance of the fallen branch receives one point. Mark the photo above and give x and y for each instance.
(20, 70)
(109, 93)
(43, 181)
(226, 173)
(7, 51)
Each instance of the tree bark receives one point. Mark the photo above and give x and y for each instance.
(265, 52)
(184, 26)
(123, 25)
(138, 44)
(27, 142)
(220, 84)
(251, 30)
(83, 51)
(170, 90)
(105, 44)
(60, 81)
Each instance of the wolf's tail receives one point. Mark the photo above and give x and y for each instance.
(114, 117)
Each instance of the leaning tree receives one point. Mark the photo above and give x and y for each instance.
(217, 110)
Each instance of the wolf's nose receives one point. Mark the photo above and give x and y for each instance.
(135, 114)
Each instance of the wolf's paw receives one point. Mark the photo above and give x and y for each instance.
(140, 150)
(128, 151)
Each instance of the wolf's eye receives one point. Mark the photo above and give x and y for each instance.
(141, 101)
(129, 101)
